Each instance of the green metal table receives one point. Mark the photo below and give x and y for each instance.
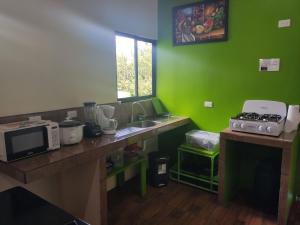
(141, 161)
(202, 181)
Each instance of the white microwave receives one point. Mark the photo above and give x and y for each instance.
(27, 138)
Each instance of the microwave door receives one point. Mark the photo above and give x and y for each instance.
(26, 142)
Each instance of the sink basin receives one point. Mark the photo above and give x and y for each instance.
(127, 131)
(143, 124)
(136, 127)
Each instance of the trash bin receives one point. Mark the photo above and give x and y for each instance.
(158, 169)
(267, 185)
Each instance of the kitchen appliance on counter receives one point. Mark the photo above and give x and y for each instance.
(27, 138)
(104, 119)
(91, 129)
(21, 207)
(71, 132)
(293, 119)
(260, 117)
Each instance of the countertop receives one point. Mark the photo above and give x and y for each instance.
(31, 169)
(285, 140)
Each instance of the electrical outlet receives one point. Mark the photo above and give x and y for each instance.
(72, 114)
(35, 118)
(284, 23)
(208, 104)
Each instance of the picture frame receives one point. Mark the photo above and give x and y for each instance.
(201, 22)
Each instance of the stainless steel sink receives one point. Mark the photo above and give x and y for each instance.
(143, 124)
(136, 127)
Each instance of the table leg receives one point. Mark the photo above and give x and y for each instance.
(211, 172)
(283, 204)
(143, 177)
(83, 192)
(178, 164)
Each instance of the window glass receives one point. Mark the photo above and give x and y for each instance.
(125, 67)
(144, 68)
(134, 66)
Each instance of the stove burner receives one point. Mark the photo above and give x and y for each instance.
(271, 117)
(258, 117)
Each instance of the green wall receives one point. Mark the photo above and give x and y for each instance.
(227, 72)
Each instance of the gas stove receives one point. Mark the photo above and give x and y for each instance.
(260, 117)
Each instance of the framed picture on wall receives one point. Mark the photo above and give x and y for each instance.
(200, 22)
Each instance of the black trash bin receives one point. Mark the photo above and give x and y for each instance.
(158, 169)
(267, 185)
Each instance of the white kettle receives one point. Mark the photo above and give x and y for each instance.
(293, 119)
(104, 114)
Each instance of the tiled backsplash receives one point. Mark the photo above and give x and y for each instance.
(122, 113)
(55, 115)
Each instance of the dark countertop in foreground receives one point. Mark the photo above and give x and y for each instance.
(31, 169)
(21, 207)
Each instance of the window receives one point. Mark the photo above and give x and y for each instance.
(135, 67)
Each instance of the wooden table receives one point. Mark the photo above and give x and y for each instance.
(81, 170)
(287, 142)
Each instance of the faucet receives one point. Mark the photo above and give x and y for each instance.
(141, 107)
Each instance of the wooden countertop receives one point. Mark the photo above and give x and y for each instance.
(285, 140)
(31, 169)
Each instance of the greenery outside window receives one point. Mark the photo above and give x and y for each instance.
(135, 58)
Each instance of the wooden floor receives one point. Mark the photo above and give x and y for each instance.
(179, 204)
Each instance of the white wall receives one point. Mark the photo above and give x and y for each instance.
(137, 17)
(57, 54)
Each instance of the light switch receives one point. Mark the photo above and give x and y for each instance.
(208, 104)
(284, 23)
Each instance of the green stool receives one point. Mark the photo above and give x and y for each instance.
(195, 179)
(141, 161)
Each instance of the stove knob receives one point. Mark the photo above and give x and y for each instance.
(260, 128)
(242, 125)
(269, 130)
(235, 125)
